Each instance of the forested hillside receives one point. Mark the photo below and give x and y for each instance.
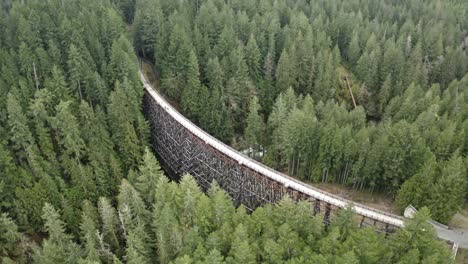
(272, 76)
(78, 183)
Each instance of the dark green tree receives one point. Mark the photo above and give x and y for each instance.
(192, 99)
(150, 173)
(58, 247)
(255, 127)
(10, 236)
(21, 135)
(285, 73)
(253, 60)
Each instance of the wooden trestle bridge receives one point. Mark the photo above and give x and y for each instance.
(182, 148)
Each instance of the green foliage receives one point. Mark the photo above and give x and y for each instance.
(438, 185)
(415, 242)
(57, 145)
(189, 226)
(59, 247)
(406, 73)
(122, 119)
(109, 224)
(253, 59)
(216, 118)
(20, 132)
(285, 73)
(192, 99)
(90, 236)
(321, 142)
(128, 9)
(10, 234)
(71, 127)
(255, 127)
(148, 178)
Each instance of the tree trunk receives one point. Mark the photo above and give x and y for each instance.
(36, 79)
(79, 91)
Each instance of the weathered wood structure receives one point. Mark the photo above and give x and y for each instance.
(182, 148)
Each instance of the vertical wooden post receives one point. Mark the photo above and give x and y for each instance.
(317, 207)
(326, 217)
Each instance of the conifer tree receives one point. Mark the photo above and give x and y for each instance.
(148, 26)
(214, 257)
(149, 175)
(58, 248)
(367, 67)
(386, 92)
(131, 208)
(10, 234)
(21, 135)
(12, 176)
(41, 108)
(128, 9)
(354, 49)
(225, 43)
(76, 72)
(252, 57)
(68, 132)
(122, 62)
(187, 200)
(414, 68)
(30, 201)
(168, 233)
(57, 85)
(134, 221)
(285, 73)
(109, 224)
(449, 190)
(236, 68)
(175, 66)
(415, 237)
(90, 237)
(216, 118)
(223, 210)
(122, 121)
(255, 126)
(241, 251)
(215, 75)
(136, 251)
(416, 189)
(27, 62)
(191, 98)
(100, 147)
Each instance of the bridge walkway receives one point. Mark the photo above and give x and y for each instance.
(459, 237)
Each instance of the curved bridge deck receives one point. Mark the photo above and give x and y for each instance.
(183, 148)
(297, 187)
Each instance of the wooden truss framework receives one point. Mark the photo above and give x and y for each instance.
(181, 152)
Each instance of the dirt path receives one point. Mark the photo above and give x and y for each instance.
(374, 200)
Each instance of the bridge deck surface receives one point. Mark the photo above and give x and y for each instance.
(458, 236)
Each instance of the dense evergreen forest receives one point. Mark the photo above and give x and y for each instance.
(272, 76)
(78, 183)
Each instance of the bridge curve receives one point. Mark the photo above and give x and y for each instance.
(171, 132)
